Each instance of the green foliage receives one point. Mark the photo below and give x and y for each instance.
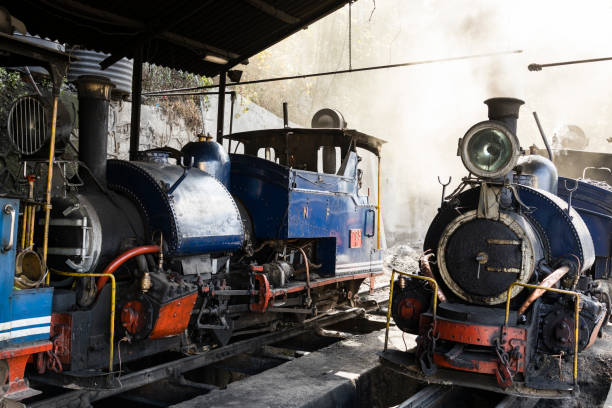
(11, 88)
(155, 78)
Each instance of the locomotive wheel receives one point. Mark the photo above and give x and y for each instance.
(410, 299)
(558, 332)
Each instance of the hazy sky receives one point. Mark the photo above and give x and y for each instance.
(423, 110)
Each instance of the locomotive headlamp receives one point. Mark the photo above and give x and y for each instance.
(489, 149)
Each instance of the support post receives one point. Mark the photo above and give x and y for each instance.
(136, 102)
(378, 206)
(47, 206)
(221, 107)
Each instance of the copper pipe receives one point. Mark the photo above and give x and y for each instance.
(27, 213)
(23, 227)
(121, 259)
(26, 228)
(47, 205)
(426, 269)
(31, 219)
(547, 282)
(307, 270)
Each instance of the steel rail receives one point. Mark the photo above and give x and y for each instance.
(175, 368)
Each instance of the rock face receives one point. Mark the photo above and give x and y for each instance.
(402, 257)
(157, 129)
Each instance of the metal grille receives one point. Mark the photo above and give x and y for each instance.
(27, 125)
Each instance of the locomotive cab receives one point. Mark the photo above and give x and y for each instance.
(511, 265)
(304, 184)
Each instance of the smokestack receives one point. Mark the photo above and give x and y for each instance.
(505, 110)
(94, 96)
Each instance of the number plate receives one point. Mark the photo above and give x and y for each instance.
(355, 238)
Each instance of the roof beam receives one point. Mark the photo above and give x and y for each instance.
(163, 24)
(112, 18)
(273, 11)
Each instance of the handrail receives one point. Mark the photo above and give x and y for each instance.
(576, 316)
(435, 299)
(112, 307)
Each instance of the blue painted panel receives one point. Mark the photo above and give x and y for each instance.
(263, 188)
(7, 259)
(594, 204)
(30, 315)
(567, 233)
(24, 314)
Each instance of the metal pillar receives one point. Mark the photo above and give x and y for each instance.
(136, 101)
(221, 107)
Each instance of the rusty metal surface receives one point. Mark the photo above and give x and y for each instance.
(405, 363)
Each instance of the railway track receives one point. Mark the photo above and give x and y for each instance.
(441, 396)
(174, 370)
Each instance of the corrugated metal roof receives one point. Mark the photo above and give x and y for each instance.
(175, 34)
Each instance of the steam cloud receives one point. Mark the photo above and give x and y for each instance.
(423, 110)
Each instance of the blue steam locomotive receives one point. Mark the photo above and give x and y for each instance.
(178, 250)
(521, 271)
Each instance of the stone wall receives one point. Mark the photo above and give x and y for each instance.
(157, 130)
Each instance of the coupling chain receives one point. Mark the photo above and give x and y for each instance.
(426, 358)
(503, 373)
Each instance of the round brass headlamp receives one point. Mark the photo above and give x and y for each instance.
(489, 149)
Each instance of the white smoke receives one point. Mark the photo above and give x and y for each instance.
(423, 110)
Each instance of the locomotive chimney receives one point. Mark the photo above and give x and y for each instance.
(505, 110)
(94, 96)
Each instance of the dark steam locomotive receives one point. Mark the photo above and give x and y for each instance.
(518, 261)
(177, 250)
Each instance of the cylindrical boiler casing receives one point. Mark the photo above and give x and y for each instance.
(195, 212)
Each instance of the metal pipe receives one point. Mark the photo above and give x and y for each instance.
(28, 225)
(547, 282)
(112, 309)
(154, 94)
(136, 101)
(538, 67)
(306, 262)
(27, 69)
(221, 107)
(378, 208)
(426, 269)
(120, 260)
(535, 116)
(285, 115)
(576, 314)
(47, 205)
(31, 219)
(348, 71)
(350, 36)
(231, 124)
(23, 227)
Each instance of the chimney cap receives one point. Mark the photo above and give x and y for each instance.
(503, 107)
